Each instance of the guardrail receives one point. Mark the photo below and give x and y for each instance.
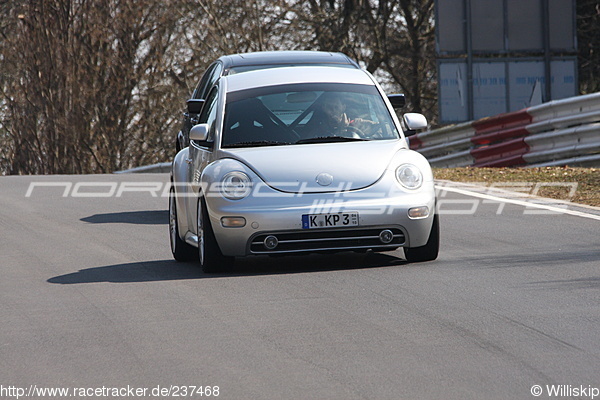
(560, 132)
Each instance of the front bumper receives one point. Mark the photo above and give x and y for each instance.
(280, 214)
(328, 240)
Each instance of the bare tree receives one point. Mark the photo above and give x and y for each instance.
(83, 74)
(212, 29)
(409, 54)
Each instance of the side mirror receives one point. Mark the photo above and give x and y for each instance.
(412, 122)
(194, 106)
(397, 100)
(199, 132)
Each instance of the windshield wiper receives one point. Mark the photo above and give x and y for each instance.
(257, 143)
(329, 139)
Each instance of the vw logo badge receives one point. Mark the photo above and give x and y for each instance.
(324, 179)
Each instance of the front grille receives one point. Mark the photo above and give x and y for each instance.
(326, 240)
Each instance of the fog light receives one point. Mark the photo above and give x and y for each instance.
(233, 222)
(386, 236)
(271, 242)
(418, 212)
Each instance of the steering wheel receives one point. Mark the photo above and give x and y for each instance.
(356, 132)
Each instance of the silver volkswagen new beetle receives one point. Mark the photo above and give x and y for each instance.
(296, 160)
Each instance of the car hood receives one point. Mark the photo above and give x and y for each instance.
(318, 168)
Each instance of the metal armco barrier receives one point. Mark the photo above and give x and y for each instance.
(560, 132)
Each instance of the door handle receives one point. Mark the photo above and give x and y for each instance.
(188, 160)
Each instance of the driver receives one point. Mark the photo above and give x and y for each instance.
(331, 119)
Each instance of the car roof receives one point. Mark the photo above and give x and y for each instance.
(285, 57)
(294, 75)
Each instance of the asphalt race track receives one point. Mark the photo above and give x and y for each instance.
(90, 297)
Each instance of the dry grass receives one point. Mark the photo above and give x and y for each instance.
(559, 180)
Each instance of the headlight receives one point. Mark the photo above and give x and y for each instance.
(409, 176)
(236, 185)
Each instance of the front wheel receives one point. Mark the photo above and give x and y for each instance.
(180, 249)
(210, 255)
(430, 251)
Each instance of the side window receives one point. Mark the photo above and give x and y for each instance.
(212, 79)
(203, 85)
(212, 74)
(209, 113)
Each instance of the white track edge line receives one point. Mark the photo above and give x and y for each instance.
(519, 202)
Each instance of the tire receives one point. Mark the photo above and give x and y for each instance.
(430, 251)
(209, 254)
(180, 249)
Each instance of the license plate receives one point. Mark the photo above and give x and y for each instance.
(313, 221)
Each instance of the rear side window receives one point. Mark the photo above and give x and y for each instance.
(208, 80)
(209, 113)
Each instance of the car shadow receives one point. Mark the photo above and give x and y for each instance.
(154, 217)
(166, 270)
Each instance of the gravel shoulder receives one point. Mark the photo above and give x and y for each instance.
(577, 185)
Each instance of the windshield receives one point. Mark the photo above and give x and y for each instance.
(306, 113)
